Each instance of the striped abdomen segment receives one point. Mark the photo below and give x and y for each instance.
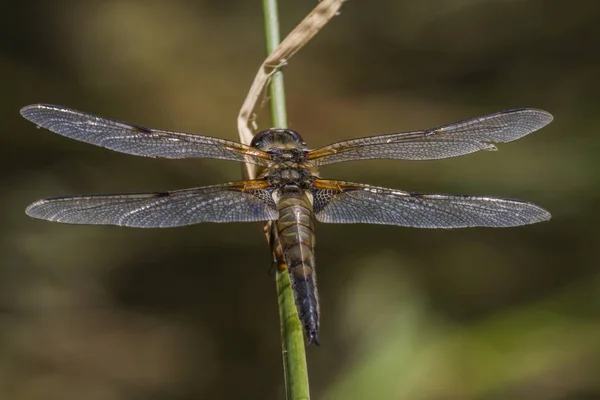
(296, 233)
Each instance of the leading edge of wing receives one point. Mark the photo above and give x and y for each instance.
(135, 139)
(246, 201)
(446, 141)
(347, 202)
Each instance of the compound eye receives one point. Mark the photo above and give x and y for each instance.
(259, 139)
(295, 135)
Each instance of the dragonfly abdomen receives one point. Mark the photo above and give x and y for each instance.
(295, 227)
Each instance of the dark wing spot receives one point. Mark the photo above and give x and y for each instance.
(142, 129)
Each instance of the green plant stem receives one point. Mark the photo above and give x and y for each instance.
(292, 339)
(276, 90)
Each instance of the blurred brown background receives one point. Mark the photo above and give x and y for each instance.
(190, 313)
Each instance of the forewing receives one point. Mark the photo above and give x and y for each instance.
(231, 202)
(348, 203)
(137, 140)
(446, 141)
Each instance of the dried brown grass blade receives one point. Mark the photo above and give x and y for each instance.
(295, 40)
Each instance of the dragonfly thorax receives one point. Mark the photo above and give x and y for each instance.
(289, 173)
(288, 152)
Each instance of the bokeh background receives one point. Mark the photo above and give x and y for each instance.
(191, 313)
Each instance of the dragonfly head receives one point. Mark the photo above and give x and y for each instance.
(283, 139)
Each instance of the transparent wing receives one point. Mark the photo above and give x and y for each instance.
(446, 141)
(231, 202)
(348, 203)
(135, 139)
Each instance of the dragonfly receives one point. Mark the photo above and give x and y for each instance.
(288, 189)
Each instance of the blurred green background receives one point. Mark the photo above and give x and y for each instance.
(190, 313)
